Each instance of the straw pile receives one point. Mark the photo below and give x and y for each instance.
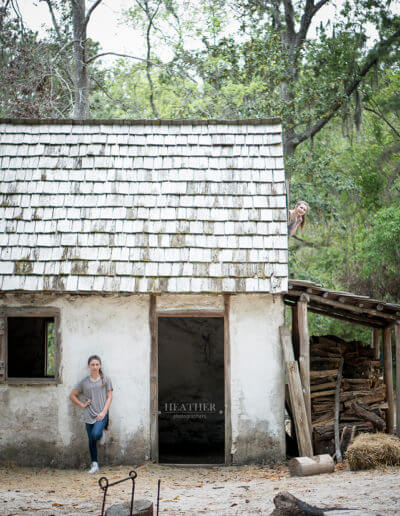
(371, 450)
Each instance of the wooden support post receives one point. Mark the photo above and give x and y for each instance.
(295, 332)
(2, 347)
(227, 356)
(397, 335)
(388, 377)
(338, 450)
(153, 379)
(296, 395)
(304, 353)
(375, 342)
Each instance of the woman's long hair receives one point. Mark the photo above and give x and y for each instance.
(303, 218)
(96, 357)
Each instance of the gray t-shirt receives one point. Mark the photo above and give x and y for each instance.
(94, 390)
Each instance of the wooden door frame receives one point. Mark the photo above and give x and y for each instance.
(154, 315)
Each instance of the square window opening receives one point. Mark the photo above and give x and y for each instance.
(31, 347)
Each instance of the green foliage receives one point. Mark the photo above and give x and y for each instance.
(35, 72)
(348, 172)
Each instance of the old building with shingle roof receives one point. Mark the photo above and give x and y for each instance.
(107, 228)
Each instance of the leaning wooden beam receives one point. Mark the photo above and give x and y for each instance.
(295, 332)
(397, 335)
(296, 395)
(304, 352)
(375, 342)
(344, 315)
(348, 318)
(388, 376)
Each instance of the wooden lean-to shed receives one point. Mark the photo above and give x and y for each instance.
(162, 247)
(363, 391)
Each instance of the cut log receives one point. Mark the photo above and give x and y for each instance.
(359, 382)
(326, 432)
(323, 374)
(320, 394)
(366, 399)
(378, 422)
(322, 386)
(306, 466)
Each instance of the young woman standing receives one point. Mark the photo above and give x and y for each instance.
(97, 391)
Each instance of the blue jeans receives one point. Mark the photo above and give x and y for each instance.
(94, 432)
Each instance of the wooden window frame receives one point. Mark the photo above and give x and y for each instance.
(24, 311)
(154, 315)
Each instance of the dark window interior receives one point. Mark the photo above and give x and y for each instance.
(30, 352)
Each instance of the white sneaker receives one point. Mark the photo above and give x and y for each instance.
(103, 438)
(94, 468)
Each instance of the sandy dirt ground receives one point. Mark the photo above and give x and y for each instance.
(195, 490)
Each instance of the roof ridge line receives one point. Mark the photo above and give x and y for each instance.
(118, 121)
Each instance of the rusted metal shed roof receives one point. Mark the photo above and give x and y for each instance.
(135, 206)
(343, 305)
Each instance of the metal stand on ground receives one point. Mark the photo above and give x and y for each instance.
(148, 508)
(104, 485)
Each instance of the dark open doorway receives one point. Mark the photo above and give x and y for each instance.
(191, 419)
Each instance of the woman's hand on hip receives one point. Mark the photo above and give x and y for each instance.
(101, 416)
(88, 402)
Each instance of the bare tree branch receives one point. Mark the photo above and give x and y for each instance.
(3, 12)
(382, 117)
(303, 242)
(15, 6)
(60, 39)
(90, 11)
(319, 4)
(372, 59)
(122, 55)
(53, 18)
(159, 65)
(150, 15)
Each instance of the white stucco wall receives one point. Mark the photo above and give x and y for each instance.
(257, 378)
(39, 424)
(43, 418)
(190, 302)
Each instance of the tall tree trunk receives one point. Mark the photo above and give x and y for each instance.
(80, 72)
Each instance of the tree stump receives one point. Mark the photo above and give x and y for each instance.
(140, 507)
(288, 505)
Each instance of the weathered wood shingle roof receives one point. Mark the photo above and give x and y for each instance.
(141, 206)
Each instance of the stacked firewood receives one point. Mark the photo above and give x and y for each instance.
(362, 392)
